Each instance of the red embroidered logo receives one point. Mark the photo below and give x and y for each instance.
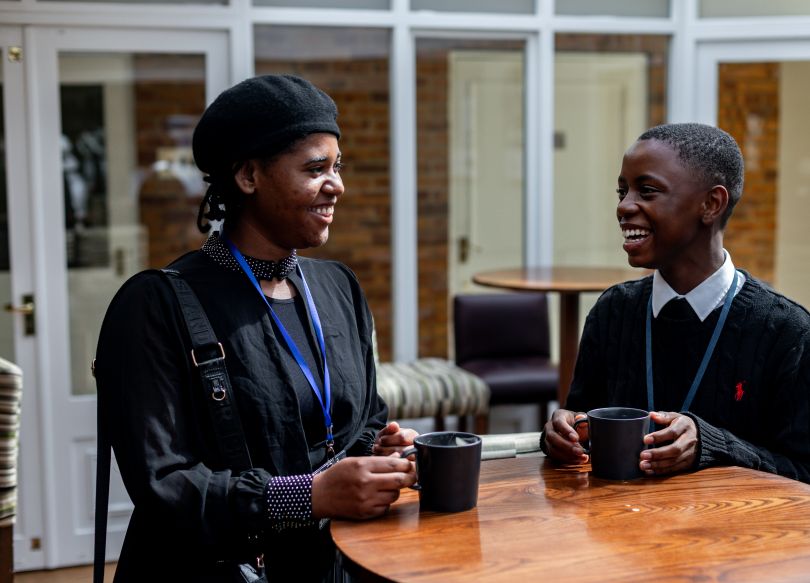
(738, 394)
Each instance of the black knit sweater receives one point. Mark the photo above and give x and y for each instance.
(753, 406)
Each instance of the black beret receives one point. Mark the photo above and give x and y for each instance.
(260, 116)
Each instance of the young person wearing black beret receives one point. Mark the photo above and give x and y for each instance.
(644, 341)
(269, 148)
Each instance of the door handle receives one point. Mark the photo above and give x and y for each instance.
(27, 309)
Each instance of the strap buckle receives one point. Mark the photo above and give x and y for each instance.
(220, 357)
(218, 392)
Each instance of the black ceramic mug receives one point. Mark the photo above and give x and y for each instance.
(448, 464)
(616, 438)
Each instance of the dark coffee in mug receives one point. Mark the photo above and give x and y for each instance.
(448, 464)
(616, 439)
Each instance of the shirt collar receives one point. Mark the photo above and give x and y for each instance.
(704, 298)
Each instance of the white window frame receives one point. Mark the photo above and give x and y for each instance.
(239, 17)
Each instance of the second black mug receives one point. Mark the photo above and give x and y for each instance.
(448, 464)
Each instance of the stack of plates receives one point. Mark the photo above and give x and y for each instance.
(10, 395)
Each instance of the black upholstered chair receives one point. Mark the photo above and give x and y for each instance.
(504, 339)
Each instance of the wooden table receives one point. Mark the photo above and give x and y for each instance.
(569, 282)
(539, 522)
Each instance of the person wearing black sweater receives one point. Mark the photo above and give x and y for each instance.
(645, 342)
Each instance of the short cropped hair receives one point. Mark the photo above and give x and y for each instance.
(707, 150)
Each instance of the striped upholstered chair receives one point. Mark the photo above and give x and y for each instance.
(432, 387)
(10, 396)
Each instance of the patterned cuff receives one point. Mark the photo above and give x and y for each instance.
(289, 501)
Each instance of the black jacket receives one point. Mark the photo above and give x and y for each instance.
(189, 508)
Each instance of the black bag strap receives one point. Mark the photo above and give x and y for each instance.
(208, 357)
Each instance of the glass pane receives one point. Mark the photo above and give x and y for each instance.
(131, 188)
(724, 8)
(352, 65)
(363, 4)
(608, 90)
(6, 318)
(499, 6)
(470, 163)
(648, 8)
(764, 106)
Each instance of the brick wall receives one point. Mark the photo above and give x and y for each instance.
(360, 236)
(748, 109)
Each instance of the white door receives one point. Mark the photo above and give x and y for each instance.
(113, 191)
(601, 108)
(790, 155)
(486, 164)
(18, 343)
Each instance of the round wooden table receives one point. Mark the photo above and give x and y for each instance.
(569, 282)
(539, 522)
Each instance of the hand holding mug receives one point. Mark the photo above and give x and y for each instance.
(675, 444)
(360, 487)
(562, 440)
(393, 439)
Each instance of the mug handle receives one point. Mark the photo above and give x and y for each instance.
(404, 454)
(576, 424)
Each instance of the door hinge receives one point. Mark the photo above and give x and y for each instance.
(15, 54)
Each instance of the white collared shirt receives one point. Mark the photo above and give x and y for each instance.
(704, 298)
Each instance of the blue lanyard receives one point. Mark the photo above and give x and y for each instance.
(706, 356)
(316, 322)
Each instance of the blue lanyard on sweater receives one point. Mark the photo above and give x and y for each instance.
(299, 358)
(706, 356)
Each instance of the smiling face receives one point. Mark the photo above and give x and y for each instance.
(667, 214)
(290, 199)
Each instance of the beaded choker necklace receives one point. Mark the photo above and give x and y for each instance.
(262, 268)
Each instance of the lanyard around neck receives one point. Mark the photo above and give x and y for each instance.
(706, 356)
(326, 406)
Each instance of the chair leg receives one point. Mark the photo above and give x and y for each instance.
(438, 422)
(6, 554)
(542, 414)
(481, 424)
(462, 423)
